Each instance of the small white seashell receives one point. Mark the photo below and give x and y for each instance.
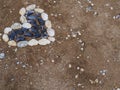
(48, 24)
(23, 19)
(22, 43)
(44, 42)
(12, 43)
(31, 7)
(32, 42)
(39, 10)
(16, 26)
(44, 16)
(27, 25)
(51, 32)
(5, 38)
(22, 11)
(52, 39)
(7, 30)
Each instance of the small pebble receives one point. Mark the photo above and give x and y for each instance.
(12, 43)
(44, 42)
(22, 44)
(23, 19)
(31, 7)
(32, 42)
(48, 24)
(27, 25)
(52, 39)
(16, 26)
(51, 32)
(2, 55)
(44, 16)
(5, 38)
(39, 10)
(7, 30)
(22, 11)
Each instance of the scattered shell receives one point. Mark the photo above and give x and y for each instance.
(39, 10)
(32, 42)
(16, 26)
(44, 16)
(22, 11)
(5, 37)
(44, 42)
(26, 25)
(22, 43)
(51, 32)
(31, 7)
(23, 19)
(12, 43)
(52, 39)
(48, 24)
(2, 55)
(7, 30)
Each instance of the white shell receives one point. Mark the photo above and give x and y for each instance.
(22, 43)
(44, 16)
(7, 30)
(12, 43)
(44, 42)
(16, 26)
(5, 38)
(23, 19)
(27, 25)
(22, 11)
(52, 39)
(48, 24)
(32, 42)
(31, 7)
(51, 32)
(39, 10)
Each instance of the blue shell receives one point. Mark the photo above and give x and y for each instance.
(28, 34)
(37, 35)
(20, 38)
(41, 21)
(20, 32)
(31, 17)
(29, 13)
(12, 35)
(33, 22)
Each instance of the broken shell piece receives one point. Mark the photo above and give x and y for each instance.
(12, 43)
(44, 42)
(31, 7)
(48, 24)
(5, 38)
(22, 11)
(16, 26)
(7, 30)
(52, 39)
(51, 32)
(39, 10)
(33, 42)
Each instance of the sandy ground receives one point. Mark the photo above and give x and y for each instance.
(90, 61)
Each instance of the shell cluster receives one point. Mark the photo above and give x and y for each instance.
(34, 28)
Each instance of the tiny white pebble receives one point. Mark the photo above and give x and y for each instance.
(31, 7)
(44, 16)
(22, 11)
(33, 42)
(27, 25)
(69, 65)
(5, 38)
(44, 42)
(12, 43)
(7, 30)
(51, 32)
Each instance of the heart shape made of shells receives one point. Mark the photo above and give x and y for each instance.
(34, 29)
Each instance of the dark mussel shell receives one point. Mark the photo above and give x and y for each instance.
(32, 22)
(12, 35)
(19, 32)
(41, 21)
(28, 34)
(29, 13)
(20, 38)
(31, 17)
